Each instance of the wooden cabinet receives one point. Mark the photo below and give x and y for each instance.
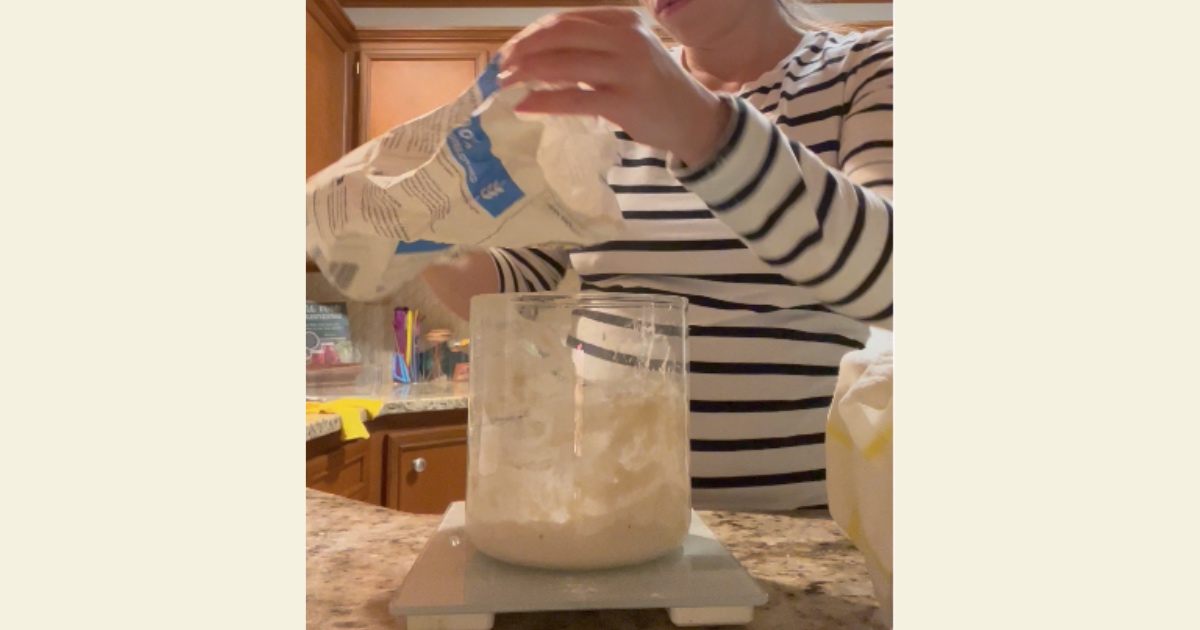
(403, 80)
(418, 461)
(341, 469)
(329, 61)
(426, 469)
(413, 462)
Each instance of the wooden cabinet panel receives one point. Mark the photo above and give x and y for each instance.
(360, 495)
(401, 81)
(402, 90)
(426, 469)
(342, 471)
(325, 81)
(328, 64)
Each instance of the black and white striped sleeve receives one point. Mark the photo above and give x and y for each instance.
(529, 270)
(827, 229)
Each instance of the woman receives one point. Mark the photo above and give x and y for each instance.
(756, 178)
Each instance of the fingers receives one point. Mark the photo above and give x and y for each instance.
(562, 35)
(572, 67)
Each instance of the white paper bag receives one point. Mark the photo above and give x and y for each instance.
(470, 174)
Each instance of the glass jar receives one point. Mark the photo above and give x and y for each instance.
(577, 438)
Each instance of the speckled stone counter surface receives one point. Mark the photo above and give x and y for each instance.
(358, 555)
(321, 424)
(403, 399)
(426, 397)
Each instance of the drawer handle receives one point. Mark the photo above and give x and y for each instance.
(419, 464)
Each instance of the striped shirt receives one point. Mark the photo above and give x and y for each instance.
(783, 247)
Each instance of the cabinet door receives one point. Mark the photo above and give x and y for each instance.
(426, 470)
(342, 472)
(406, 80)
(328, 62)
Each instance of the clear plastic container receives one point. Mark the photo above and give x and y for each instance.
(578, 447)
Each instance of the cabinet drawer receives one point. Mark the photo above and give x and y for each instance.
(426, 470)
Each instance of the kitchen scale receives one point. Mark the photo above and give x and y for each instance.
(453, 586)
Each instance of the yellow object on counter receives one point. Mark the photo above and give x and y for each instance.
(858, 460)
(351, 410)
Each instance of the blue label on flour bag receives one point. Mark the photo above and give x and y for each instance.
(419, 247)
(487, 179)
(488, 82)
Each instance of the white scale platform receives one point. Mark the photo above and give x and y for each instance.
(453, 586)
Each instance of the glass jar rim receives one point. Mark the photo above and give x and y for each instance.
(592, 299)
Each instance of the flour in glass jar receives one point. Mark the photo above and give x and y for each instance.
(577, 466)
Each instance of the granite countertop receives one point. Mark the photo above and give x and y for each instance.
(321, 424)
(358, 555)
(426, 397)
(403, 399)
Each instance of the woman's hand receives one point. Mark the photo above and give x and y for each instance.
(629, 78)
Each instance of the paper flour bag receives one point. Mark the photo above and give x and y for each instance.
(470, 174)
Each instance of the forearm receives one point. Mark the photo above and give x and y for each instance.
(812, 223)
(454, 284)
(497, 270)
